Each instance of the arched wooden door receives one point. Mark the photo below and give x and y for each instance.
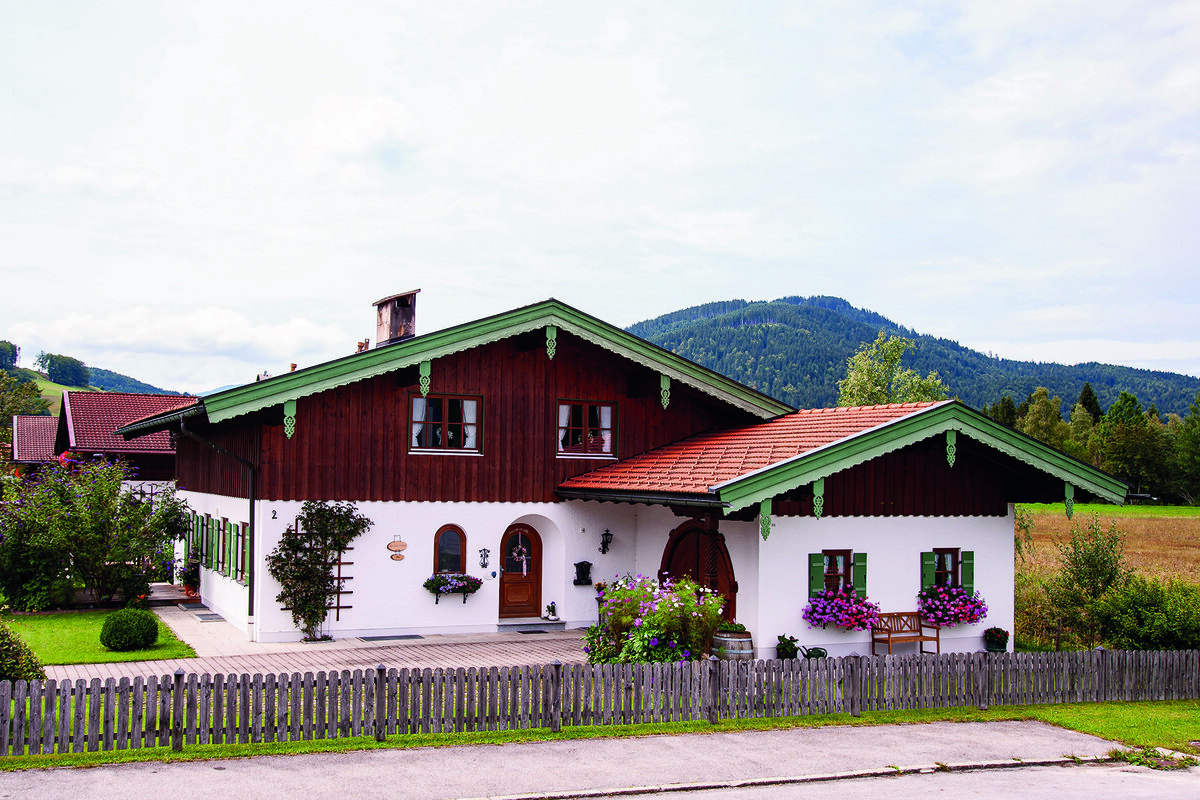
(521, 578)
(702, 556)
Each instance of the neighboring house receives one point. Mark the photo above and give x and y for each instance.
(521, 446)
(85, 425)
(33, 442)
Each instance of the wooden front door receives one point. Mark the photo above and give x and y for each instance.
(701, 555)
(521, 578)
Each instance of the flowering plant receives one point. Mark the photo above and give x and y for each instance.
(843, 608)
(643, 619)
(943, 606)
(451, 583)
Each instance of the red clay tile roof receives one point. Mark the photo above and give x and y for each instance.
(694, 465)
(93, 416)
(33, 439)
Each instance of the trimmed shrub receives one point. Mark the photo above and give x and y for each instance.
(129, 629)
(17, 660)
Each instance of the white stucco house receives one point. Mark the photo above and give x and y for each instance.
(517, 447)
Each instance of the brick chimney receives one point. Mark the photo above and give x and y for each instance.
(396, 318)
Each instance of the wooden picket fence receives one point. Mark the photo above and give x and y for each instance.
(174, 710)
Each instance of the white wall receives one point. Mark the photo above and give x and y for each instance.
(388, 597)
(893, 546)
(222, 595)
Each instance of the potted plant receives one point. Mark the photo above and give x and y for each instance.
(787, 647)
(189, 576)
(552, 612)
(995, 640)
(733, 642)
(452, 583)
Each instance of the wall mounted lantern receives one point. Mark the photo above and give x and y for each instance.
(605, 540)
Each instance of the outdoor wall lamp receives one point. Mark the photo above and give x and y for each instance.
(605, 540)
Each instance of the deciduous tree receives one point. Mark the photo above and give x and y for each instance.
(63, 369)
(1187, 455)
(874, 376)
(1043, 421)
(9, 353)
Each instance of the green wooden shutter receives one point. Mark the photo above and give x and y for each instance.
(816, 574)
(927, 569)
(860, 574)
(205, 536)
(966, 567)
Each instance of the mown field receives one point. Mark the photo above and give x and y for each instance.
(1160, 541)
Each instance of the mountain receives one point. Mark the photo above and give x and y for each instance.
(108, 381)
(795, 349)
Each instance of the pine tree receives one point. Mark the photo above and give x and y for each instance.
(1092, 403)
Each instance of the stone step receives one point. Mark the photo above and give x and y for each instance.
(529, 625)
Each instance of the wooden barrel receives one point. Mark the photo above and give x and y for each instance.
(733, 645)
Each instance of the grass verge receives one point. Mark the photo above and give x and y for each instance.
(1108, 511)
(1171, 724)
(73, 637)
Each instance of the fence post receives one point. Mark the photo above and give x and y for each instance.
(177, 712)
(1104, 679)
(380, 703)
(714, 688)
(983, 682)
(854, 686)
(556, 698)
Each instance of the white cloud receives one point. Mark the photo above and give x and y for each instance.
(1014, 172)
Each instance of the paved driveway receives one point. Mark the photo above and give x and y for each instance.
(222, 648)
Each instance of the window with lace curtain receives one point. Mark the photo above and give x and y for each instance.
(586, 429)
(445, 423)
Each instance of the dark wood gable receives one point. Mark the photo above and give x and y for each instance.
(918, 481)
(352, 442)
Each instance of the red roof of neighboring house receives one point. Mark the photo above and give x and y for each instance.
(696, 464)
(33, 439)
(92, 417)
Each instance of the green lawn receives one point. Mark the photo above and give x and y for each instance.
(1171, 724)
(73, 637)
(1108, 511)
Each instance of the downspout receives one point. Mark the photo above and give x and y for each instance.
(253, 490)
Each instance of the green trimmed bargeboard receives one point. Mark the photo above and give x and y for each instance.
(177, 710)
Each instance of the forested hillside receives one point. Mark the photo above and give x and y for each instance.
(109, 381)
(795, 349)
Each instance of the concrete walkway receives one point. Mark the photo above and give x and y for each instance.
(222, 648)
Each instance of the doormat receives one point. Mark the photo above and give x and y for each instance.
(530, 631)
(391, 638)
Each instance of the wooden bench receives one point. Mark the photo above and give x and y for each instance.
(900, 627)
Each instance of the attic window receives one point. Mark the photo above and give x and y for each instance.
(443, 423)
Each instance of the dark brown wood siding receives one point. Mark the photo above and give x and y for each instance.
(914, 481)
(200, 468)
(351, 443)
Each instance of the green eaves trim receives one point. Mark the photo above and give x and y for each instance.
(360, 366)
(951, 415)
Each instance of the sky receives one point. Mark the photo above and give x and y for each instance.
(193, 193)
